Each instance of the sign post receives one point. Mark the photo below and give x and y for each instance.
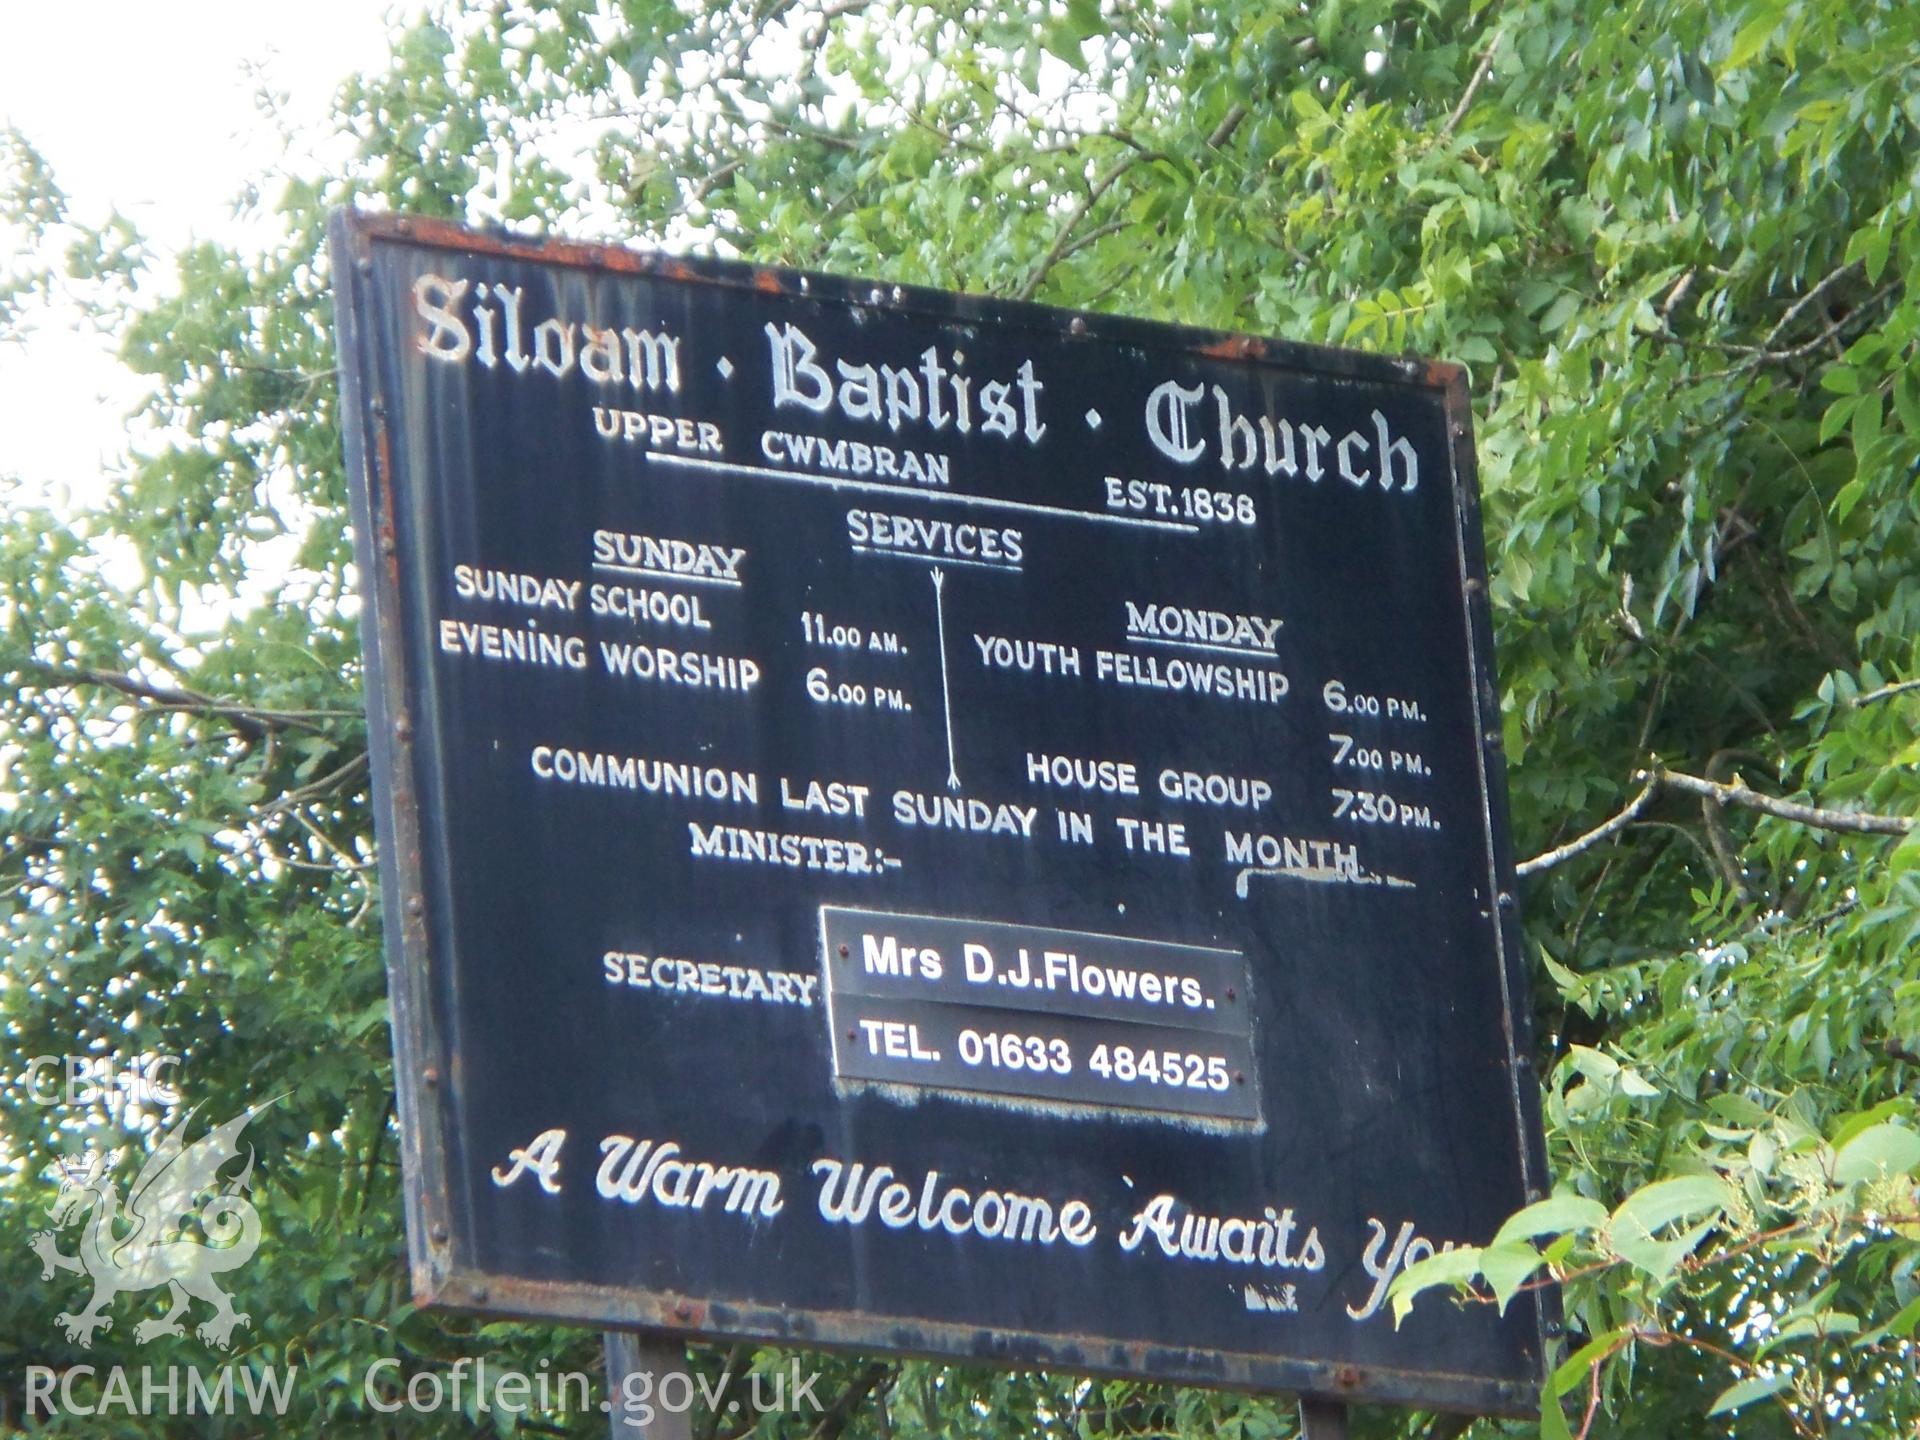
(1322, 1419)
(933, 826)
(635, 1410)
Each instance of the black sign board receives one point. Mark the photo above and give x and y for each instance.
(933, 825)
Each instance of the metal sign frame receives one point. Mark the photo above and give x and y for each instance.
(443, 1269)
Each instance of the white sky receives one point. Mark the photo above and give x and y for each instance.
(149, 108)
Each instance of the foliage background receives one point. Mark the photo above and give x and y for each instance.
(1676, 243)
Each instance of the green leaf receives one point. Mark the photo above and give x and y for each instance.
(1447, 1267)
(1633, 1228)
(1553, 1420)
(1757, 1387)
(1084, 16)
(1839, 415)
(1660, 1258)
(1507, 1267)
(1865, 1120)
(1868, 415)
(1592, 1063)
(1876, 1153)
(1753, 37)
(1560, 312)
(1906, 855)
(1062, 41)
(1555, 1214)
(1635, 1085)
(1572, 1372)
(1869, 247)
(1850, 495)
(1566, 979)
(1822, 1325)
(1906, 400)
(1740, 1110)
(1898, 1328)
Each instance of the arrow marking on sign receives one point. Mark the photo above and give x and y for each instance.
(946, 690)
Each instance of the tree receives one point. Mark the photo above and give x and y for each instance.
(1675, 243)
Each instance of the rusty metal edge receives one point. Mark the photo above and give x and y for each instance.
(1503, 890)
(694, 1319)
(419, 1066)
(435, 1252)
(1410, 372)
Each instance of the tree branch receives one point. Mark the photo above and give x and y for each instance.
(1726, 857)
(729, 1372)
(1800, 306)
(1738, 792)
(347, 862)
(849, 1400)
(1603, 831)
(1480, 72)
(1899, 687)
(1071, 223)
(250, 721)
(318, 789)
(1677, 293)
(1593, 1399)
(1093, 237)
(373, 1162)
(1767, 356)
(1229, 123)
